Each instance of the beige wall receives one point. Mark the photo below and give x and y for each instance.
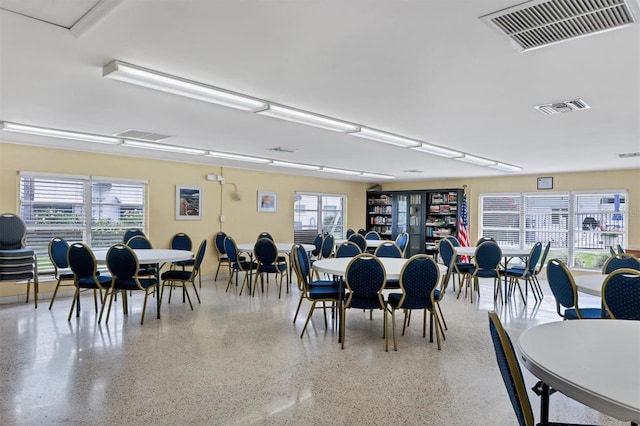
(242, 221)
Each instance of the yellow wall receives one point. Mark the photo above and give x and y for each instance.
(242, 221)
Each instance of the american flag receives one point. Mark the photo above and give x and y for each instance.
(463, 232)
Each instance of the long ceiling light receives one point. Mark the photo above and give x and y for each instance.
(179, 86)
(438, 150)
(55, 133)
(506, 167)
(294, 165)
(162, 147)
(310, 119)
(475, 160)
(384, 137)
(341, 171)
(238, 157)
(377, 176)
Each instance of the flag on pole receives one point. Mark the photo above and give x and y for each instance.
(463, 232)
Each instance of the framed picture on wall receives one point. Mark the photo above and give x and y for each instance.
(188, 202)
(267, 201)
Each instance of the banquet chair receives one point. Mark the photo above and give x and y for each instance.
(132, 232)
(449, 256)
(565, 292)
(218, 244)
(58, 249)
(238, 264)
(402, 240)
(348, 249)
(180, 277)
(372, 235)
(484, 240)
(512, 377)
(418, 281)
(317, 243)
(124, 266)
(182, 241)
(349, 233)
(326, 250)
(280, 258)
(619, 261)
(389, 249)
(621, 294)
(487, 258)
(313, 291)
(269, 262)
(17, 262)
(526, 273)
(620, 249)
(362, 231)
(141, 242)
(365, 278)
(359, 240)
(84, 266)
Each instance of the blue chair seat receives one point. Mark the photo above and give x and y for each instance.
(244, 266)
(409, 302)
(516, 271)
(587, 313)
(183, 263)
(324, 292)
(104, 280)
(483, 273)
(321, 283)
(360, 302)
(175, 274)
(130, 284)
(273, 268)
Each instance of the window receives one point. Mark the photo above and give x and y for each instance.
(92, 210)
(316, 213)
(581, 226)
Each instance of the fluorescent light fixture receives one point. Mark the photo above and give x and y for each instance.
(438, 150)
(377, 176)
(340, 171)
(55, 133)
(475, 160)
(308, 118)
(294, 165)
(179, 86)
(162, 147)
(384, 137)
(506, 167)
(237, 157)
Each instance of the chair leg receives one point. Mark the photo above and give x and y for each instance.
(393, 328)
(298, 308)
(144, 305)
(55, 291)
(313, 306)
(73, 302)
(196, 291)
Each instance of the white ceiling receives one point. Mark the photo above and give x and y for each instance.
(429, 70)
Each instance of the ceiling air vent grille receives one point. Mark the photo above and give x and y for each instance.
(562, 107)
(540, 23)
(282, 149)
(142, 135)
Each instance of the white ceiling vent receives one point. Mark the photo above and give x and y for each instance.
(282, 149)
(540, 23)
(142, 135)
(562, 107)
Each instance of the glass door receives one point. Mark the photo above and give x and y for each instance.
(416, 223)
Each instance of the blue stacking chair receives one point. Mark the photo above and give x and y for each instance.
(362, 231)
(487, 261)
(17, 262)
(182, 241)
(238, 264)
(130, 233)
(140, 242)
(359, 240)
(269, 262)
(621, 294)
(180, 277)
(58, 249)
(328, 243)
(388, 249)
(317, 242)
(418, 281)
(527, 273)
(619, 261)
(365, 279)
(348, 249)
(372, 235)
(565, 292)
(218, 243)
(402, 240)
(349, 233)
(313, 291)
(449, 257)
(84, 266)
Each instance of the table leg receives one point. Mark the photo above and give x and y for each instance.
(158, 289)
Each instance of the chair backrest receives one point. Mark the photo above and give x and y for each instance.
(620, 249)
(58, 249)
(350, 232)
(561, 283)
(488, 255)
(388, 249)
(199, 256)
(453, 240)
(621, 294)
(620, 261)
(327, 246)
(510, 371)
(348, 249)
(402, 240)
(612, 251)
(139, 242)
(543, 259)
(131, 233)
(447, 251)
(365, 278)
(231, 249)
(265, 251)
(362, 231)
(301, 266)
(372, 235)
(418, 280)
(359, 240)
(13, 232)
(485, 239)
(219, 243)
(82, 261)
(534, 257)
(265, 235)
(122, 262)
(181, 241)
(317, 242)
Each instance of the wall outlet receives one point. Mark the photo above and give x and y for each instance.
(221, 218)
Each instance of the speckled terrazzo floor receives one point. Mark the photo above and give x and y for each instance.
(238, 360)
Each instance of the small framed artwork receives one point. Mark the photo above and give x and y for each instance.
(545, 183)
(188, 202)
(267, 201)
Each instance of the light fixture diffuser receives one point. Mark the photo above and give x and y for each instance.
(56, 133)
(308, 118)
(294, 165)
(238, 157)
(377, 176)
(179, 86)
(506, 167)
(475, 160)
(384, 137)
(438, 150)
(340, 171)
(162, 147)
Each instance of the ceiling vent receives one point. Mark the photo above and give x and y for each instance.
(412, 171)
(142, 135)
(282, 149)
(540, 23)
(629, 155)
(562, 107)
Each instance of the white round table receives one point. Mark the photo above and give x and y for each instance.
(590, 284)
(370, 243)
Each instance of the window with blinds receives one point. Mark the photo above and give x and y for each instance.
(92, 210)
(581, 226)
(316, 213)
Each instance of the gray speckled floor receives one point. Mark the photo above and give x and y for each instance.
(239, 360)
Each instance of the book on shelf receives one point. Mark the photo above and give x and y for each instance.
(434, 208)
(437, 199)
